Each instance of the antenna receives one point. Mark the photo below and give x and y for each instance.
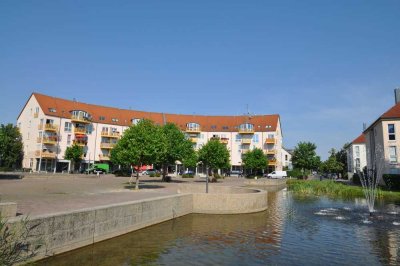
(248, 114)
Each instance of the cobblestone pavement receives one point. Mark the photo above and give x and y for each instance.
(58, 193)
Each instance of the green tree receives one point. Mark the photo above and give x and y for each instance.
(177, 147)
(141, 144)
(214, 155)
(255, 160)
(341, 156)
(332, 165)
(11, 147)
(74, 154)
(304, 157)
(191, 159)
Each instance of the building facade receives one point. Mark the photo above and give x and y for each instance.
(356, 155)
(382, 139)
(49, 125)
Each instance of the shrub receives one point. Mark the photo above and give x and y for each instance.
(158, 174)
(152, 175)
(218, 176)
(296, 173)
(392, 181)
(187, 176)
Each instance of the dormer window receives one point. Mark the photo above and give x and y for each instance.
(102, 118)
(135, 121)
(81, 116)
(52, 110)
(114, 120)
(193, 127)
(246, 128)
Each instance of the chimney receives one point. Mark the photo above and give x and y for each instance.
(397, 95)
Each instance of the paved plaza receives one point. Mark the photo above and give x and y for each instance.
(58, 193)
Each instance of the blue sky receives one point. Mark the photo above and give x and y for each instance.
(325, 66)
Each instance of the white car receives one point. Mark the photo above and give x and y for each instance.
(277, 174)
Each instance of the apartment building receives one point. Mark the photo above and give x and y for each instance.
(356, 155)
(382, 139)
(49, 125)
(287, 159)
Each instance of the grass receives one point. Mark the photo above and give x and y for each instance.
(334, 189)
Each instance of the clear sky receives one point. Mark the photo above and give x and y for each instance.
(324, 66)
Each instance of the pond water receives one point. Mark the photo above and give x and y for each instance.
(293, 231)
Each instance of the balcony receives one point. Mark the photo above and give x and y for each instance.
(270, 152)
(194, 140)
(224, 140)
(193, 130)
(270, 141)
(246, 130)
(45, 154)
(110, 134)
(272, 162)
(48, 127)
(245, 149)
(104, 157)
(246, 141)
(106, 145)
(48, 140)
(80, 143)
(35, 115)
(80, 130)
(80, 119)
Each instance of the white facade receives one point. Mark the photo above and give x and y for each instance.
(46, 137)
(286, 160)
(356, 157)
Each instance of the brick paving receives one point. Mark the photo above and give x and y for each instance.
(58, 193)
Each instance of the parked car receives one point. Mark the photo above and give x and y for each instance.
(236, 172)
(150, 172)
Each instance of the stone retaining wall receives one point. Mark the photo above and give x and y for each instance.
(265, 182)
(62, 232)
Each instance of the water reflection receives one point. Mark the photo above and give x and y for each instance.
(290, 232)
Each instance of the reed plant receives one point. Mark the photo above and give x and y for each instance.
(331, 188)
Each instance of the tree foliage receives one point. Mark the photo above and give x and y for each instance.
(341, 156)
(305, 157)
(141, 144)
(11, 147)
(215, 155)
(74, 153)
(255, 160)
(332, 165)
(191, 159)
(177, 147)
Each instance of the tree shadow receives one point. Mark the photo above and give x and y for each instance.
(141, 186)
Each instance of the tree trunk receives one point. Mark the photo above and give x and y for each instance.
(164, 171)
(137, 181)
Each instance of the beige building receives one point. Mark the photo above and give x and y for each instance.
(286, 159)
(383, 142)
(356, 155)
(49, 125)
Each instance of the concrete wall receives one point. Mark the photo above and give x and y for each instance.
(225, 199)
(70, 230)
(265, 182)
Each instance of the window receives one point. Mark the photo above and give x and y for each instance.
(271, 136)
(102, 118)
(69, 139)
(225, 127)
(213, 127)
(392, 154)
(114, 119)
(238, 138)
(255, 138)
(286, 157)
(357, 151)
(135, 121)
(104, 129)
(67, 127)
(52, 110)
(358, 164)
(392, 135)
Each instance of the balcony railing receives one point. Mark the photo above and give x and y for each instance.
(246, 141)
(193, 129)
(110, 134)
(272, 162)
(193, 139)
(224, 140)
(80, 142)
(48, 127)
(45, 154)
(106, 145)
(80, 130)
(270, 152)
(270, 141)
(35, 115)
(80, 119)
(47, 140)
(245, 149)
(104, 157)
(246, 130)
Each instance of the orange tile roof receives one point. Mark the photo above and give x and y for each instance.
(359, 139)
(392, 113)
(64, 107)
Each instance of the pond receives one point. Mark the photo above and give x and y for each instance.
(293, 231)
